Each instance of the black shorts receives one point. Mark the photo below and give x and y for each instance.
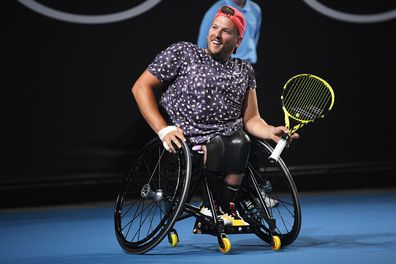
(228, 153)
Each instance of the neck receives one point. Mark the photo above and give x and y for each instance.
(219, 57)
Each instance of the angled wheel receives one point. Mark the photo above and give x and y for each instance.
(173, 239)
(276, 243)
(278, 191)
(226, 247)
(152, 197)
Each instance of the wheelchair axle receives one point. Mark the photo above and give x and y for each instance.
(146, 192)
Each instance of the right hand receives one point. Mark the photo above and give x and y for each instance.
(172, 138)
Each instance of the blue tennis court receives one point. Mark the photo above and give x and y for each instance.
(337, 227)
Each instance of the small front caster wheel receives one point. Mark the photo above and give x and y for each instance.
(276, 243)
(173, 239)
(226, 245)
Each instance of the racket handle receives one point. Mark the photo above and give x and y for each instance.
(279, 148)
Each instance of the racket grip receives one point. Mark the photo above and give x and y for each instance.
(279, 148)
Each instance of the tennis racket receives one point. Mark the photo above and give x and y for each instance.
(305, 99)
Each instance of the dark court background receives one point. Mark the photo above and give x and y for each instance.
(73, 127)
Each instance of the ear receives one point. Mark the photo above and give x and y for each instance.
(239, 41)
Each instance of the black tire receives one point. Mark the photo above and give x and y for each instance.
(280, 191)
(152, 197)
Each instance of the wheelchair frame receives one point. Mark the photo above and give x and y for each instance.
(156, 194)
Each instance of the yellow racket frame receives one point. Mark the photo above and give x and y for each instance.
(302, 122)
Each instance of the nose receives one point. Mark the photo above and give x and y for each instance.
(217, 33)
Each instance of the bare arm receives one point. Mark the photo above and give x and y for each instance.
(255, 125)
(143, 91)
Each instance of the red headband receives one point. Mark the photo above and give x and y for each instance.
(237, 18)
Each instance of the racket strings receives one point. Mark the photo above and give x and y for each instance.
(306, 98)
(293, 100)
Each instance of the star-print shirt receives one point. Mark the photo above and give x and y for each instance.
(202, 96)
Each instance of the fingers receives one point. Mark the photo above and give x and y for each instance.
(283, 129)
(171, 138)
(280, 130)
(171, 141)
(166, 146)
(292, 137)
(181, 134)
(295, 136)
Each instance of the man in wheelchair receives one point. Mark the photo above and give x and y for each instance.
(210, 98)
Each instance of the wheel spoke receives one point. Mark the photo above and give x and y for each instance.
(153, 196)
(279, 194)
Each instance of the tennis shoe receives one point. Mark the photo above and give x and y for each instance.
(270, 202)
(205, 211)
(233, 217)
(220, 215)
(264, 190)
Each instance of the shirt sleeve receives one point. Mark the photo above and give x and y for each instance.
(252, 84)
(167, 63)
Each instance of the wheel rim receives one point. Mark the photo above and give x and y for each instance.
(154, 193)
(281, 189)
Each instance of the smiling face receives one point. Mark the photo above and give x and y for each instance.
(223, 38)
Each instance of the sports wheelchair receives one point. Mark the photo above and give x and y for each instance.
(161, 188)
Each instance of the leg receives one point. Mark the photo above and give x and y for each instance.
(229, 154)
(237, 152)
(230, 189)
(213, 169)
(226, 155)
(216, 186)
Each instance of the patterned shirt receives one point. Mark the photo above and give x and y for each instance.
(203, 96)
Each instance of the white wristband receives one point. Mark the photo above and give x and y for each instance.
(165, 131)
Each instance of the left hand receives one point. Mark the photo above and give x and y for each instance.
(278, 131)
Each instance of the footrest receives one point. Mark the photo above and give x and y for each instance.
(201, 227)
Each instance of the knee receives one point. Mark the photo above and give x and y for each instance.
(234, 179)
(228, 153)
